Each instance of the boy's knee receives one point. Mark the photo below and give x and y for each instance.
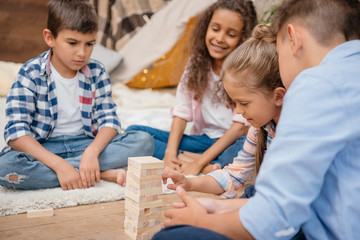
(13, 178)
(146, 143)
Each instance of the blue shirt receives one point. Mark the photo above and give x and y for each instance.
(31, 105)
(310, 176)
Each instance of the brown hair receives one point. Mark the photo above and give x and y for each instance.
(200, 60)
(257, 59)
(323, 18)
(76, 15)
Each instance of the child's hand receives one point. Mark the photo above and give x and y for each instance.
(178, 179)
(172, 162)
(68, 177)
(208, 203)
(190, 214)
(89, 168)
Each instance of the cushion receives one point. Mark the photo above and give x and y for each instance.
(110, 58)
(168, 69)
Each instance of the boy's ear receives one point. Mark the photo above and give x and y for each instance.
(49, 37)
(279, 94)
(294, 38)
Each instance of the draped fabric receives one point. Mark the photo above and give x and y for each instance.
(119, 20)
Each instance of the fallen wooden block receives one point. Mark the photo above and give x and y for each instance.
(48, 212)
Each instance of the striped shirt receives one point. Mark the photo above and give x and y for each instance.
(31, 106)
(233, 176)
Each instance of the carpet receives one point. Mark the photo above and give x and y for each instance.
(20, 201)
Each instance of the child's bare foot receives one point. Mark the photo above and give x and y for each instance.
(210, 168)
(121, 177)
(114, 175)
(185, 158)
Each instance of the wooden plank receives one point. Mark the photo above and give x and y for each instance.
(48, 212)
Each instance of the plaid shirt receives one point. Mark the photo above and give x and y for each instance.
(31, 106)
(236, 174)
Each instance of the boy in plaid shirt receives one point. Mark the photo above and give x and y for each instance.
(62, 128)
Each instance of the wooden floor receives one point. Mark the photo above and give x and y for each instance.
(96, 221)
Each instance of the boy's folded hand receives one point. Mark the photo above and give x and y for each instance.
(68, 177)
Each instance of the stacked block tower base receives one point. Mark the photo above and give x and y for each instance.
(142, 204)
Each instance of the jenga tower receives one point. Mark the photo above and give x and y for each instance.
(142, 205)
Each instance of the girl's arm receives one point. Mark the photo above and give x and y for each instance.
(177, 130)
(205, 184)
(217, 206)
(89, 167)
(68, 177)
(236, 130)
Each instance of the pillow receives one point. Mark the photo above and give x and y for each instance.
(168, 69)
(8, 72)
(110, 58)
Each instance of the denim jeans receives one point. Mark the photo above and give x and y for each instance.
(180, 232)
(33, 174)
(190, 143)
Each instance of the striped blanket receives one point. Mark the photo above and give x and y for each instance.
(119, 20)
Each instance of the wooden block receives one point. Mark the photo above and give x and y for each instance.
(139, 206)
(137, 231)
(146, 222)
(143, 192)
(48, 212)
(143, 236)
(145, 173)
(142, 179)
(141, 199)
(136, 217)
(146, 162)
(144, 185)
(144, 211)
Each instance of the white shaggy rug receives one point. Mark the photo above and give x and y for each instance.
(20, 201)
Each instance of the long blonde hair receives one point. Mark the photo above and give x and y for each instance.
(257, 59)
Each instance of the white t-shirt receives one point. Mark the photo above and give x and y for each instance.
(69, 115)
(217, 117)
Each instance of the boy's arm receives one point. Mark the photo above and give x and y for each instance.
(194, 213)
(236, 130)
(177, 130)
(66, 173)
(105, 108)
(89, 167)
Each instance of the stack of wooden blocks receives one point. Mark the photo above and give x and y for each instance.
(142, 205)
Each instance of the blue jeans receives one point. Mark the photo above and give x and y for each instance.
(190, 143)
(33, 174)
(180, 232)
